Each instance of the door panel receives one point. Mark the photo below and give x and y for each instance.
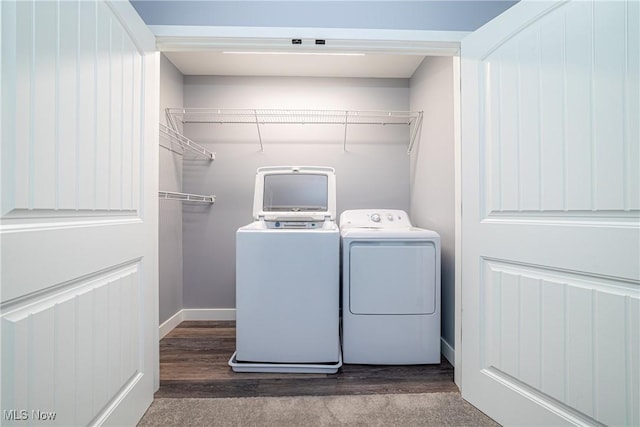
(63, 143)
(79, 212)
(551, 237)
(102, 352)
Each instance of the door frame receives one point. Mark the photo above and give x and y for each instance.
(175, 38)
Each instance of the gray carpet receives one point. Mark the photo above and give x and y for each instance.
(428, 409)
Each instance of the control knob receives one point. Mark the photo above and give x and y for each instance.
(375, 217)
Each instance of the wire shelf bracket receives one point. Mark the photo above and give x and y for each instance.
(414, 131)
(176, 137)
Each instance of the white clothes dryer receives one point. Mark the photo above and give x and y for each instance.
(390, 289)
(288, 276)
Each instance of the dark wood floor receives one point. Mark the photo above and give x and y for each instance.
(194, 356)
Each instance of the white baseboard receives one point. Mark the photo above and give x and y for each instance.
(171, 323)
(209, 313)
(448, 352)
(196, 314)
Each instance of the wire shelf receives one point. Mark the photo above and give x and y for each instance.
(272, 116)
(186, 197)
(260, 117)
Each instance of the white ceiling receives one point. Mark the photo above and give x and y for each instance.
(374, 65)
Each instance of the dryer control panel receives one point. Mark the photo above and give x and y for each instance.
(375, 218)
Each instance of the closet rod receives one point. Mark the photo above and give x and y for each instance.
(186, 197)
(299, 122)
(185, 142)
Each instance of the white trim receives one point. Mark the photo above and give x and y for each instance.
(457, 144)
(170, 324)
(141, 35)
(209, 313)
(162, 31)
(113, 413)
(195, 314)
(565, 412)
(448, 352)
(193, 38)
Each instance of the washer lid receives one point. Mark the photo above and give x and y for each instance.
(295, 193)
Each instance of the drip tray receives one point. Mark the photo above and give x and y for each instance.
(300, 368)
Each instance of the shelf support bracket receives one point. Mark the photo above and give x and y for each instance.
(417, 124)
(344, 143)
(184, 142)
(255, 114)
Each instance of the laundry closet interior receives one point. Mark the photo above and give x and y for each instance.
(388, 130)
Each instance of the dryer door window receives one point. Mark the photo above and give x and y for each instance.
(392, 278)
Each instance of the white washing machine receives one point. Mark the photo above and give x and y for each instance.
(390, 289)
(288, 275)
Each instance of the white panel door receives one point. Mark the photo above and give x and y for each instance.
(550, 228)
(78, 213)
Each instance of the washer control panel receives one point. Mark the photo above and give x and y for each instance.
(375, 218)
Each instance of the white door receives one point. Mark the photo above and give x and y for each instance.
(550, 238)
(79, 213)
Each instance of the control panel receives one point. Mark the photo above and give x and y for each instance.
(375, 218)
(294, 224)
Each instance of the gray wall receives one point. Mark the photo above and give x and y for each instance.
(432, 15)
(373, 173)
(170, 221)
(432, 171)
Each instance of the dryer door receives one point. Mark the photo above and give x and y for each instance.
(392, 277)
